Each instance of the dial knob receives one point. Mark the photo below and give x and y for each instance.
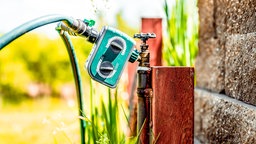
(116, 45)
(106, 68)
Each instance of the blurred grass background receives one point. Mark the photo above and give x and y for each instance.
(37, 92)
(46, 120)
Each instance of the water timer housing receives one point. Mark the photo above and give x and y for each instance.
(109, 56)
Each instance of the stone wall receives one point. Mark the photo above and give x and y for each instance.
(225, 97)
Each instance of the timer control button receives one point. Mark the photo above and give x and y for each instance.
(106, 68)
(116, 45)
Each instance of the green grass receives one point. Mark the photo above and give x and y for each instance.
(107, 120)
(180, 44)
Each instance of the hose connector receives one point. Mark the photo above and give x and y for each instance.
(80, 28)
(134, 56)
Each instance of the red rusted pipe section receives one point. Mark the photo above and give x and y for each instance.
(173, 105)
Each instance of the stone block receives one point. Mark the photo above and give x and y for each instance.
(221, 119)
(220, 19)
(235, 16)
(240, 67)
(209, 65)
(206, 19)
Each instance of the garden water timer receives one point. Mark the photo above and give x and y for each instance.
(110, 53)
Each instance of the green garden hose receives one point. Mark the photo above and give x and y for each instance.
(33, 24)
(77, 77)
(28, 26)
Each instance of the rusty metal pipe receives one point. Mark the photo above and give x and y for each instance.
(144, 90)
(144, 106)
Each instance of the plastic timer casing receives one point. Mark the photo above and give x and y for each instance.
(109, 56)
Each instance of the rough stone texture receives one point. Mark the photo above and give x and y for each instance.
(206, 13)
(221, 119)
(210, 66)
(240, 67)
(218, 20)
(226, 64)
(234, 16)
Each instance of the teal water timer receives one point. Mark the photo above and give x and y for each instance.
(109, 56)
